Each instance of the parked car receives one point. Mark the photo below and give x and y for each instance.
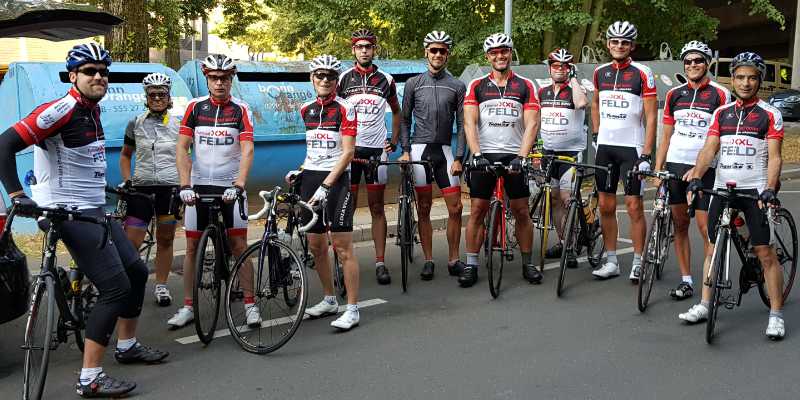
(788, 102)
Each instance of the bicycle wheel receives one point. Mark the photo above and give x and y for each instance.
(570, 243)
(718, 269)
(495, 272)
(649, 268)
(545, 226)
(405, 241)
(785, 243)
(269, 276)
(207, 283)
(667, 237)
(38, 338)
(147, 245)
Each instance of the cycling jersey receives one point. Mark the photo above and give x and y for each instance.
(501, 124)
(561, 123)
(327, 121)
(155, 139)
(743, 129)
(216, 129)
(435, 101)
(69, 160)
(369, 91)
(689, 110)
(622, 89)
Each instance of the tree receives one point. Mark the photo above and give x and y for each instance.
(128, 41)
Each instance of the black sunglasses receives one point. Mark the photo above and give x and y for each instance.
(94, 71)
(438, 50)
(156, 96)
(690, 61)
(326, 76)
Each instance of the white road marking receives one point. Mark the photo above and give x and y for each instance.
(278, 321)
(557, 264)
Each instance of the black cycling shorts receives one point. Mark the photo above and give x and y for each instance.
(622, 159)
(754, 217)
(677, 189)
(375, 178)
(561, 175)
(143, 210)
(482, 183)
(196, 217)
(441, 159)
(339, 209)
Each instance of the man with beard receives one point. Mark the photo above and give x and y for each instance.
(434, 100)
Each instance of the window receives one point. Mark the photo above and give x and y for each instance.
(770, 73)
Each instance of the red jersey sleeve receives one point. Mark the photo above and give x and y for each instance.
(775, 130)
(246, 125)
(188, 123)
(470, 98)
(531, 100)
(349, 124)
(45, 121)
(669, 118)
(391, 97)
(713, 130)
(648, 83)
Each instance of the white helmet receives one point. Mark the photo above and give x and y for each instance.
(437, 37)
(560, 55)
(157, 79)
(325, 61)
(218, 62)
(622, 30)
(497, 40)
(696, 46)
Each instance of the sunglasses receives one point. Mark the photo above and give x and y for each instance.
(157, 95)
(94, 71)
(559, 66)
(322, 76)
(220, 78)
(368, 46)
(438, 50)
(696, 61)
(496, 52)
(620, 42)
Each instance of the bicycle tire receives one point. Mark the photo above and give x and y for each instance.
(494, 272)
(34, 378)
(570, 237)
(667, 237)
(545, 227)
(405, 237)
(788, 262)
(263, 299)
(649, 267)
(207, 284)
(76, 307)
(716, 290)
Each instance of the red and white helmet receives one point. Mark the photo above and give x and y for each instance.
(560, 55)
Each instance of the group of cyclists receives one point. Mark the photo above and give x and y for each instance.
(497, 117)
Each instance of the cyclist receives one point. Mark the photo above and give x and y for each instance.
(748, 135)
(220, 129)
(435, 100)
(687, 116)
(562, 131)
(69, 167)
(153, 135)
(370, 90)
(501, 118)
(330, 138)
(624, 112)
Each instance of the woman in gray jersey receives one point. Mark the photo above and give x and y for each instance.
(152, 136)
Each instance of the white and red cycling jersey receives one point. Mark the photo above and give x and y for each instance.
(217, 128)
(327, 120)
(744, 129)
(622, 89)
(561, 122)
(369, 90)
(689, 110)
(500, 122)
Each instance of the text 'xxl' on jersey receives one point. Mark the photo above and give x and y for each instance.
(622, 89)
(501, 124)
(216, 129)
(327, 121)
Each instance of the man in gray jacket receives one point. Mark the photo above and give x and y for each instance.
(435, 99)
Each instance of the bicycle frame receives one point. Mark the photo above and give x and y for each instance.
(498, 196)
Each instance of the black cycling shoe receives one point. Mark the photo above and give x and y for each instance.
(140, 354)
(682, 292)
(455, 268)
(555, 251)
(104, 386)
(427, 271)
(531, 273)
(382, 275)
(572, 261)
(468, 276)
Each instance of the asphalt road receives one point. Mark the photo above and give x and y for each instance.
(439, 341)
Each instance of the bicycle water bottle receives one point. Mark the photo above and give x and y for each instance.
(741, 226)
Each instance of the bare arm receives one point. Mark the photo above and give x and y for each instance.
(348, 150)
(125, 162)
(531, 119)
(663, 147)
(183, 160)
(471, 115)
(651, 123)
(578, 95)
(774, 163)
(397, 116)
(245, 162)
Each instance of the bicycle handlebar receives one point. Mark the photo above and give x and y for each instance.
(151, 198)
(61, 214)
(242, 212)
(663, 175)
(293, 199)
(730, 193)
(550, 156)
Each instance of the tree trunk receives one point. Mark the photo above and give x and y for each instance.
(576, 39)
(128, 41)
(172, 52)
(548, 38)
(597, 14)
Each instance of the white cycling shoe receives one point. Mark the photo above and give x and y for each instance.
(181, 318)
(162, 295)
(347, 321)
(608, 270)
(696, 313)
(636, 272)
(776, 328)
(323, 309)
(253, 315)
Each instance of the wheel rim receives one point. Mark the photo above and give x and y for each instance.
(207, 287)
(38, 338)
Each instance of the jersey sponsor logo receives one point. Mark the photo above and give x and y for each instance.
(53, 113)
(503, 111)
(555, 118)
(98, 153)
(752, 117)
(321, 140)
(504, 124)
(368, 106)
(608, 74)
(651, 81)
(738, 147)
(216, 137)
(563, 95)
(705, 95)
(627, 75)
(615, 101)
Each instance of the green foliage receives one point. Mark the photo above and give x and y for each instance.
(768, 9)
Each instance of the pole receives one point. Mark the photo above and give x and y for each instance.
(796, 52)
(507, 19)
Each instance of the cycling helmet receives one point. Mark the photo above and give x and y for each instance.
(749, 59)
(363, 34)
(497, 40)
(156, 79)
(437, 37)
(559, 55)
(325, 61)
(697, 47)
(87, 53)
(622, 30)
(218, 62)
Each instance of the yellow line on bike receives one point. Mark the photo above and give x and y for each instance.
(275, 322)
